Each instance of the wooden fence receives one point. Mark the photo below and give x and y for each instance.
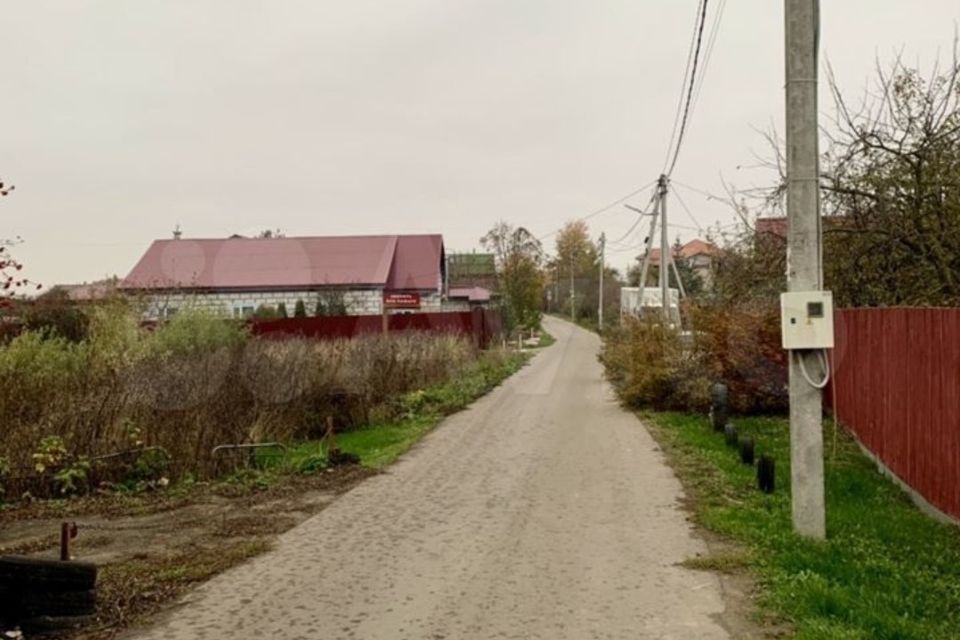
(897, 386)
(482, 325)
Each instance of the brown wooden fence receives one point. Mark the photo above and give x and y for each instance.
(482, 325)
(897, 386)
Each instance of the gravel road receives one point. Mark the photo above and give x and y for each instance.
(543, 511)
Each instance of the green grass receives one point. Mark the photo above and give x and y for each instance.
(380, 444)
(886, 572)
(545, 340)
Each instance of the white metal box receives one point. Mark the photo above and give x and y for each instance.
(806, 320)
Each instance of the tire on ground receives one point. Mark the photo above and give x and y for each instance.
(43, 624)
(747, 450)
(31, 604)
(730, 435)
(35, 574)
(766, 474)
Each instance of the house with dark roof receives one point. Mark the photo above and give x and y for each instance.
(236, 275)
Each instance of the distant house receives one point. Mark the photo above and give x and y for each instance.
(773, 227)
(778, 227)
(471, 278)
(85, 292)
(236, 275)
(698, 254)
(471, 296)
(472, 270)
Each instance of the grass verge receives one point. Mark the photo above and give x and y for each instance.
(886, 571)
(545, 340)
(379, 444)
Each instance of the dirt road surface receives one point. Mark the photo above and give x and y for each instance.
(543, 511)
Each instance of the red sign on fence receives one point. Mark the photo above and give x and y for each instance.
(401, 300)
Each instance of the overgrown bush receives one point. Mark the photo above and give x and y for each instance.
(651, 366)
(189, 385)
(741, 348)
(656, 366)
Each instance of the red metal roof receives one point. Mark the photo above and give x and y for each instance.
(773, 226)
(392, 262)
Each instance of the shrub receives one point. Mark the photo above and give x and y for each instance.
(56, 315)
(300, 310)
(191, 384)
(266, 312)
(741, 347)
(651, 367)
(658, 367)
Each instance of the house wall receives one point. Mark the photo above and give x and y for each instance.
(358, 302)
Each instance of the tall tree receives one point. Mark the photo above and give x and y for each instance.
(574, 248)
(892, 179)
(577, 261)
(519, 257)
(10, 279)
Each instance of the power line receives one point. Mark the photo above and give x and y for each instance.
(714, 31)
(604, 209)
(636, 223)
(683, 87)
(693, 79)
(683, 205)
(709, 195)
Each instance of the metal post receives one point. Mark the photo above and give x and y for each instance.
(556, 287)
(603, 244)
(804, 259)
(664, 252)
(573, 297)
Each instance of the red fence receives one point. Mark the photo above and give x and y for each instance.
(483, 325)
(897, 386)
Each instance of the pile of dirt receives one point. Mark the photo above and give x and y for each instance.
(153, 547)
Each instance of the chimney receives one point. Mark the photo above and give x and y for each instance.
(177, 232)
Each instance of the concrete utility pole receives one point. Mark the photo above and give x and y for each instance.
(664, 251)
(603, 244)
(648, 250)
(804, 259)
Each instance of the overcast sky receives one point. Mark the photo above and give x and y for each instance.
(120, 119)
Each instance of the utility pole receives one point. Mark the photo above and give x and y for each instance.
(646, 254)
(804, 260)
(603, 244)
(664, 251)
(556, 286)
(573, 297)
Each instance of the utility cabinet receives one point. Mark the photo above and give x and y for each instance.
(806, 320)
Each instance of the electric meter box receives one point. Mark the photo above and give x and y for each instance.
(806, 320)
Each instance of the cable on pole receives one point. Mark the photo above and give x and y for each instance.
(702, 22)
(605, 208)
(683, 205)
(683, 87)
(714, 31)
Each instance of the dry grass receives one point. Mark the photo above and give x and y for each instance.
(187, 387)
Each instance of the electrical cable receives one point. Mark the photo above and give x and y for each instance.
(605, 208)
(693, 79)
(683, 87)
(639, 219)
(683, 205)
(714, 31)
(806, 376)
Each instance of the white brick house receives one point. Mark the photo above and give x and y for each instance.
(235, 276)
